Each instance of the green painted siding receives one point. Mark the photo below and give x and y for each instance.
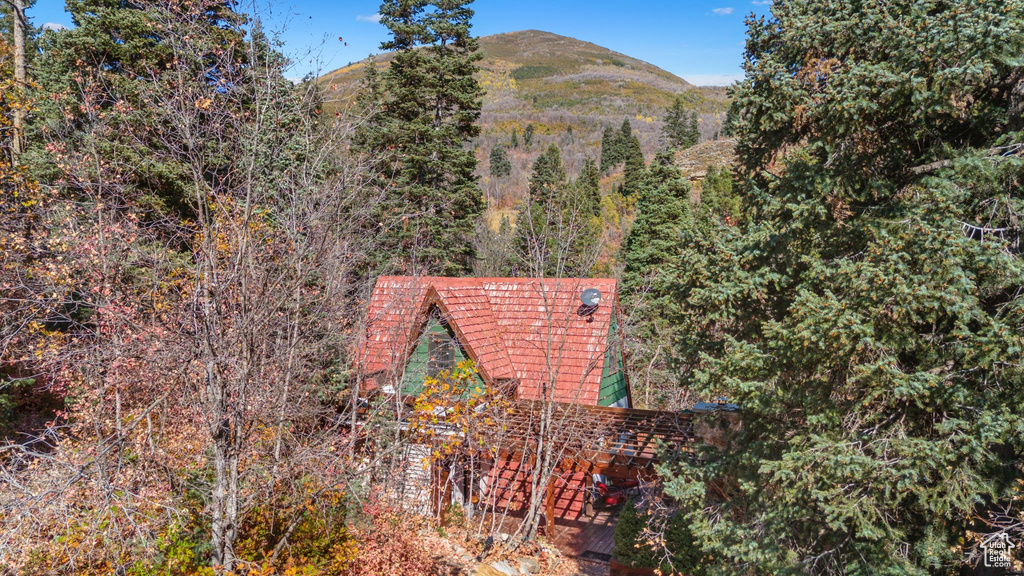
(416, 370)
(613, 378)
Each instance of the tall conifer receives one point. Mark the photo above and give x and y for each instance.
(427, 113)
(556, 231)
(589, 184)
(609, 149)
(867, 315)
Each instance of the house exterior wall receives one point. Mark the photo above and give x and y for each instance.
(416, 369)
(412, 488)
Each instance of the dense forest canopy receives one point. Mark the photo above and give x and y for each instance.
(867, 313)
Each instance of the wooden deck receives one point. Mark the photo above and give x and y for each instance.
(590, 539)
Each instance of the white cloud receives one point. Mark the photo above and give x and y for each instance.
(55, 26)
(761, 2)
(375, 18)
(723, 11)
(712, 79)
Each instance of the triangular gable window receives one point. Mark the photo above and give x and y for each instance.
(440, 353)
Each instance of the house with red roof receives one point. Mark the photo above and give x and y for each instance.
(535, 337)
(552, 342)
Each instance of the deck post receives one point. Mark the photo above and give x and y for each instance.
(446, 491)
(434, 496)
(589, 506)
(549, 520)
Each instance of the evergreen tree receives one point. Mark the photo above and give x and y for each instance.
(680, 129)
(674, 118)
(630, 548)
(634, 546)
(634, 166)
(514, 142)
(728, 127)
(692, 130)
(663, 213)
(7, 27)
(589, 184)
(109, 65)
(609, 150)
(556, 231)
(176, 116)
(500, 165)
(867, 314)
(528, 135)
(548, 177)
(625, 136)
(717, 196)
(426, 113)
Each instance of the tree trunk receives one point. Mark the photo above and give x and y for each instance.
(224, 499)
(20, 76)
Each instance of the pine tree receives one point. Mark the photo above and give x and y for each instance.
(624, 138)
(692, 131)
(673, 117)
(663, 213)
(514, 142)
(609, 150)
(630, 548)
(867, 314)
(112, 57)
(176, 116)
(718, 197)
(556, 231)
(500, 165)
(682, 128)
(589, 184)
(429, 103)
(729, 126)
(528, 135)
(663, 210)
(634, 166)
(677, 128)
(634, 548)
(548, 177)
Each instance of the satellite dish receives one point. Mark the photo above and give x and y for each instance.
(591, 297)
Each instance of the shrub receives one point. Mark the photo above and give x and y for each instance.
(674, 553)
(320, 543)
(630, 548)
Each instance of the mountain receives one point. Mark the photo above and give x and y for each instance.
(568, 89)
(545, 71)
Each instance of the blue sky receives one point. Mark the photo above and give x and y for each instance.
(699, 40)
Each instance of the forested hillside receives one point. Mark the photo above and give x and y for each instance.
(565, 92)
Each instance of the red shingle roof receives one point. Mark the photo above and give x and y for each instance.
(529, 329)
